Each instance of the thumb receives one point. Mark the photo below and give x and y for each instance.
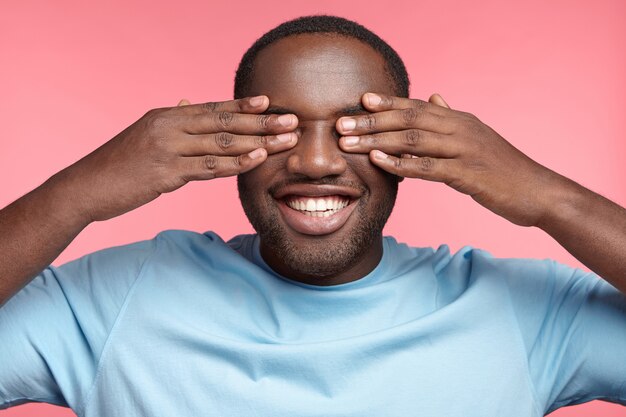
(438, 100)
(184, 102)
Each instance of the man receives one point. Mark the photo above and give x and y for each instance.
(317, 314)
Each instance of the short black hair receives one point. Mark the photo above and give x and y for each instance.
(323, 24)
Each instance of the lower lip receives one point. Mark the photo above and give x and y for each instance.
(315, 226)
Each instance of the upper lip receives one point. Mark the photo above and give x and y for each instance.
(316, 190)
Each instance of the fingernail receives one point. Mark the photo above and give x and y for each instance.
(285, 137)
(257, 153)
(373, 99)
(285, 120)
(379, 155)
(350, 140)
(348, 124)
(257, 101)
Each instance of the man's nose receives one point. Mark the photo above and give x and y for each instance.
(317, 152)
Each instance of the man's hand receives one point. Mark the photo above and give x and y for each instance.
(159, 153)
(169, 147)
(428, 140)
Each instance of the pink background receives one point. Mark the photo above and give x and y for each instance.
(549, 76)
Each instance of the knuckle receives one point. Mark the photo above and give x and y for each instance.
(420, 105)
(151, 113)
(209, 107)
(398, 163)
(475, 127)
(210, 163)
(224, 119)
(223, 140)
(470, 122)
(412, 137)
(157, 111)
(237, 162)
(372, 140)
(240, 105)
(409, 115)
(369, 122)
(471, 116)
(155, 119)
(263, 121)
(426, 163)
(262, 141)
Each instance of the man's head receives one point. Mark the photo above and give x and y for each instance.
(329, 26)
(318, 210)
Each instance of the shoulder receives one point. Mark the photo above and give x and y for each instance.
(525, 280)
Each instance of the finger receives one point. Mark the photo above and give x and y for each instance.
(254, 105)
(438, 100)
(239, 123)
(411, 141)
(380, 102)
(207, 167)
(183, 102)
(224, 143)
(426, 168)
(400, 119)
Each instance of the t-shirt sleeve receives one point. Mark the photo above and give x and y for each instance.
(574, 327)
(53, 331)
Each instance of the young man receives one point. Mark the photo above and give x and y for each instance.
(317, 314)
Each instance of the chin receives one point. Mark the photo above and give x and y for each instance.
(319, 256)
(316, 257)
(304, 248)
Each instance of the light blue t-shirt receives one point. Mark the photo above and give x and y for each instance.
(188, 325)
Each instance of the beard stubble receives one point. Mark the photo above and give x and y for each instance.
(324, 256)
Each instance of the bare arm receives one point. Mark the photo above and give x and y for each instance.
(34, 230)
(591, 228)
(428, 140)
(159, 153)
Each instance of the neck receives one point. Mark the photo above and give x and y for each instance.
(363, 264)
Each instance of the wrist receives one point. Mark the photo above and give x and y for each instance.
(64, 203)
(565, 202)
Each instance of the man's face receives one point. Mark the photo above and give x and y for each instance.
(319, 211)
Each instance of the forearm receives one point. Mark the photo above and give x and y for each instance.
(591, 228)
(34, 230)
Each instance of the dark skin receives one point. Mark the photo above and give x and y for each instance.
(417, 139)
(169, 147)
(161, 152)
(289, 72)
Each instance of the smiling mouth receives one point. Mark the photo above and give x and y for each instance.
(316, 209)
(316, 215)
(322, 206)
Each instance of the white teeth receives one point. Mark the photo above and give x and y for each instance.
(326, 213)
(318, 207)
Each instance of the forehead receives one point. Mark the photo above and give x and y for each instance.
(315, 75)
